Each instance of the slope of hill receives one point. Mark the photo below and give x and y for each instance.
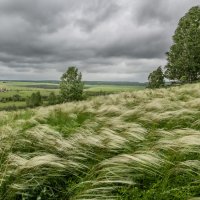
(138, 145)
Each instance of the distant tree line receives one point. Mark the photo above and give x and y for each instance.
(183, 58)
(37, 100)
(14, 98)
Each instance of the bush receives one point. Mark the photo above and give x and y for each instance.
(52, 99)
(34, 100)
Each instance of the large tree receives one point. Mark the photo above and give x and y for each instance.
(156, 78)
(184, 55)
(71, 86)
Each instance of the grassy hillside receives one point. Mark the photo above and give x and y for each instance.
(137, 145)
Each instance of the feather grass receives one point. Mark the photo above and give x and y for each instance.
(134, 145)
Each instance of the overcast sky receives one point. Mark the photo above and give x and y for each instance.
(109, 40)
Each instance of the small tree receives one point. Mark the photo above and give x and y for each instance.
(156, 78)
(71, 86)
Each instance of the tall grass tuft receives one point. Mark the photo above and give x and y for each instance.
(133, 145)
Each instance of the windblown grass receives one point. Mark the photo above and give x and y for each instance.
(133, 145)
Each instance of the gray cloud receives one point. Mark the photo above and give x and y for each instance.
(107, 40)
(95, 14)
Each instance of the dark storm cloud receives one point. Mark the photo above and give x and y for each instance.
(155, 11)
(90, 19)
(107, 40)
(148, 45)
(43, 14)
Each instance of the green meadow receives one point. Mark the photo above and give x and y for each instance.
(140, 145)
(112, 88)
(25, 89)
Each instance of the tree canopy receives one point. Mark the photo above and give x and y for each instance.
(184, 55)
(71, 86)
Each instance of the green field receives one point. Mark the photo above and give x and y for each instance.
(140, 145)
(112, 88)
(26, 88)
